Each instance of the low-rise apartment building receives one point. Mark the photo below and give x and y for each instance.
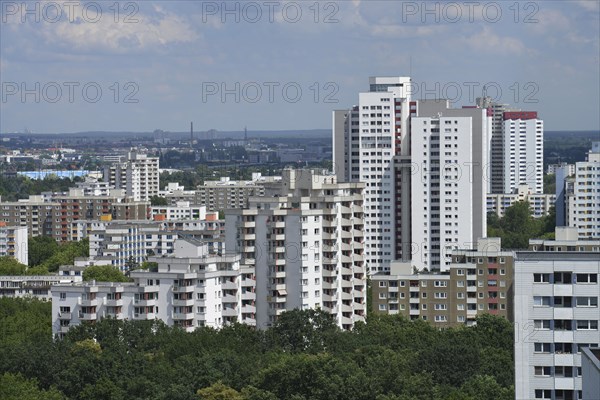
(478, 281)
(539, 204)
(190, 288)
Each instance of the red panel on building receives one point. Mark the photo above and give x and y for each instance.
(520, 115)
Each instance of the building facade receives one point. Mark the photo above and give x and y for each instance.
(478, 281)
(556, 315)
(190, 289)
(13, 242)
(305, 245)
(523, 151)
(540, 204)
(138, 176)
(53, 215)
(366, 138)
(582, 197)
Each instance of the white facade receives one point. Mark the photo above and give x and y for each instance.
(570, 168)
(365, 141)
(117, 243)
(449, 149)
(556, 314)
(181, 210)
(583, 198)
(523, 151)
(138, 176)
(13, 242)
(36, 286)
(305, 245)
(190, 289)
(539, 204)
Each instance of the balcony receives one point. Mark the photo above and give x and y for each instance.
(184, 303)
(144, 303)
(88, 302)
(183, 289)
(229, 286)
(64, 315)
(183, 316)
(114, 303)
(229, 299)
(248, 296)
(248, 309)
(64, 329)
(147, 316)
(88, 316)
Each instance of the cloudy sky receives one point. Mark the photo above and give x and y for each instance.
(272, 65)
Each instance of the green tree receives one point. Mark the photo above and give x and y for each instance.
(219, 391)
(10, 266)
(303, 331)
(104, 273)
(158, 201)
(16, 387)
(41, 248)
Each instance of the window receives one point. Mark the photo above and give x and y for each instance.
(563, 278)
(440, 295)
(587, 302)
(441, 318)
(382, 295)
(460, 272)
(440, 307)
(587, 278)
(541, 301)
(542, 324)
(460, 295)
(382, 307)
(460, 318)
(542, 347)
(543, 394)
(63, 296)
(587, 324)
(541, 278)
(542, 371)
(382, 284)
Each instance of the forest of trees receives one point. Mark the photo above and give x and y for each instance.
(304, 356)
(20, 187)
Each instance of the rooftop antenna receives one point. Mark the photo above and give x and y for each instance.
(191, 134)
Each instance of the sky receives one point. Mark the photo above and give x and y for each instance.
(283, 65)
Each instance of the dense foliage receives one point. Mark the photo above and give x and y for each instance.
(46, 254)
(517, 226)
(20, 187)
(104, 273)
(304, 356)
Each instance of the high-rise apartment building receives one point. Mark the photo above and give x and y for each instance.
(366, 138)
(138, 176)
(449, 148)
(523, 135)
(516, 150)
(13, 242)
(496, 159)
(304, 240)
(556, 315)
(583, 203)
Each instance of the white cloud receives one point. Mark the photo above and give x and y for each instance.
(590, 5)
(489, 42)
(118, 36)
